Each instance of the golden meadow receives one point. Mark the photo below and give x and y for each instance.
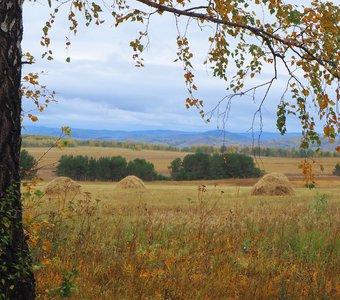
(185, 240)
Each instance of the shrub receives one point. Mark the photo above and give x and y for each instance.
(336, 170)
(142, 169)
(28, 165)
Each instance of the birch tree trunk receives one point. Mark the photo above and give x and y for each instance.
(16, 277)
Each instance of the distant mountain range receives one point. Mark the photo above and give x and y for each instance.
(182, 138)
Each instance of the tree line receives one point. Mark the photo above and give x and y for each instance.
(261, 151)
(48, 141)
(193, 166)
(114, 168)
(215, 166)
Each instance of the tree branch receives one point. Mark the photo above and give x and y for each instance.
(256, 31)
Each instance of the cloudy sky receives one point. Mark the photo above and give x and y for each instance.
(101, 88)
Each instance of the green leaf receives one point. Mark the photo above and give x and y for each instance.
(295, 17)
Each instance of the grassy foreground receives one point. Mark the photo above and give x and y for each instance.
(184, 242)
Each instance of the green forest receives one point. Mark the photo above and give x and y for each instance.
(192, 167)
(114, 168)
(215, 166)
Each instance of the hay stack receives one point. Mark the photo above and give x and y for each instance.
(273, 184)
(131, 182)
(62, 186)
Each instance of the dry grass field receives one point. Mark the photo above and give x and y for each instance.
(289, 166)
(178, 241)
(162, 159)
(185, 240)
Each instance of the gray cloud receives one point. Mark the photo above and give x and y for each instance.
(101, 88)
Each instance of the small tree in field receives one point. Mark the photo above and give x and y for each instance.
(301, 40)
(175, 167)
(28, 165)
(196, 166)
(142, 169)
(336, 170)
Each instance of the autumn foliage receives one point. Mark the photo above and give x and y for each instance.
(297, 42)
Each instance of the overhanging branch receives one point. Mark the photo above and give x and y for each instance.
(266, 36)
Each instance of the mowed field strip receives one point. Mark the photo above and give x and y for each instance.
(172, 194)
(162, 159)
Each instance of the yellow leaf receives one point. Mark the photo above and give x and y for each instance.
(34, 118)
(305, 92)
(323, 105)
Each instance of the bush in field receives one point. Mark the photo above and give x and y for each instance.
(75, 167)
(216, 166)
(27, 165)
(119, 166)
(175, 167)
(196, 166)
(336, 170)
(142, 169)
(240, 166)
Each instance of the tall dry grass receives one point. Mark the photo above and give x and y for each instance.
(175, 242)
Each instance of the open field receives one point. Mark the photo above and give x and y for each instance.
(162, 159)
(175, 241)
(289, 166)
